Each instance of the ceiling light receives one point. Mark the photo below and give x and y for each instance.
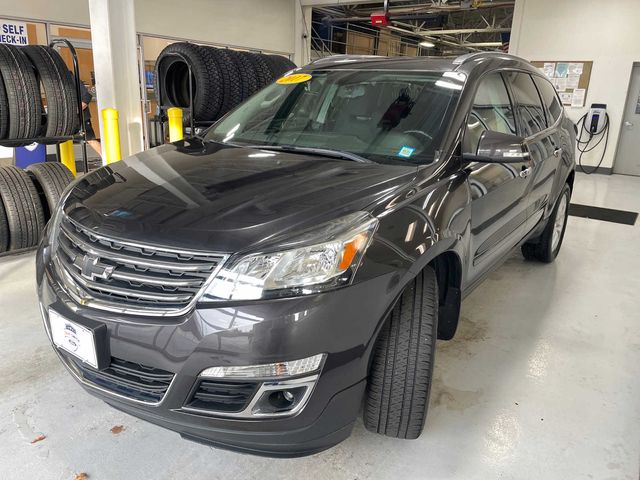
(427, 44)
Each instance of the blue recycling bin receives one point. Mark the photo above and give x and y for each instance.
(34, 153)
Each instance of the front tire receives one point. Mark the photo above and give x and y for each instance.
(547, 246)
(400, 379)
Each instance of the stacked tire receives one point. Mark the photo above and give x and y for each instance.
(220, 78)
(27, 74)
(27, 200)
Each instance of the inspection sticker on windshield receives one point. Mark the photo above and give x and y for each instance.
(294, 78)
(406, 152)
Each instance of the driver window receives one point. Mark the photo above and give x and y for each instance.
(491, 110)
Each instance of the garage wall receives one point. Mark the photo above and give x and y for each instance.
(246, 23)
(607, 33)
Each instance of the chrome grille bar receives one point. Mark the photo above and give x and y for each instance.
(120, 276)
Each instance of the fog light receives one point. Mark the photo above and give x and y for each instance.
(288, 396)
(280, 401)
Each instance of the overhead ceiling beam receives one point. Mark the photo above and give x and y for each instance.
(482, 44)
(460, 31)
(435, 40)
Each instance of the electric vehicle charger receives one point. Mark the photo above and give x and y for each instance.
(596, 125)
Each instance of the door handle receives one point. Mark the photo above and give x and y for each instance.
(524, 173)
(628, 124)
(557, 152)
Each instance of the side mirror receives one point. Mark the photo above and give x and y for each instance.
(496, 147)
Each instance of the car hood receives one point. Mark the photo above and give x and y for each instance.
(208, 196)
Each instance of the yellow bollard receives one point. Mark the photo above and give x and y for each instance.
(67, 157)
(111, 135)
(175, 124)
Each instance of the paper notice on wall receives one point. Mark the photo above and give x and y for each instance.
(562, 69)
(565, 97)
(549, 69)
(573, 81)
(560, 84)
(13, 33)
(577, 98)
(575, 68)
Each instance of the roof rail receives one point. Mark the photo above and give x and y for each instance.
(470, 56)
(342, 57)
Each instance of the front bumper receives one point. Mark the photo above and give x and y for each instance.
(343, 324)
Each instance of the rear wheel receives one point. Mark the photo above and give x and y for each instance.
(400, 379)
(546, 247)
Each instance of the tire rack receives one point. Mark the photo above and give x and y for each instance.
(162, 108)
(81, 136)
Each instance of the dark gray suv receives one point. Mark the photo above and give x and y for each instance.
(252, 286)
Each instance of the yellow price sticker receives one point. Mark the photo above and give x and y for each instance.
(294, 78)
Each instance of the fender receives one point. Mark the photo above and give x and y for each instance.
(421, 225)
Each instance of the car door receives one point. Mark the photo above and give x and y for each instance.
(558, 142)
(498, 205)
(542, 140)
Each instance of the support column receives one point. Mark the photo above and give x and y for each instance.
(115, 59)
(302, 29)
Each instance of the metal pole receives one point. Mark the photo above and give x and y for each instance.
(191, 120)
(76, 74)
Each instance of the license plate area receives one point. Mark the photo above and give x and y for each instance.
(85, 339)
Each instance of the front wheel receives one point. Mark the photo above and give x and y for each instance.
(400, 377)
(546, 247)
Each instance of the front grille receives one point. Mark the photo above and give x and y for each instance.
(113, 272)
(222, 396)
(132, 380)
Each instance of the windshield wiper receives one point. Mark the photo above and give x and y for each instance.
(324, 152)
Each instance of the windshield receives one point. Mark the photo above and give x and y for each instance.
(383, 116)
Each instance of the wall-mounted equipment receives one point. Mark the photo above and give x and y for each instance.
(593, 128)
(379, 19)
(596, 117)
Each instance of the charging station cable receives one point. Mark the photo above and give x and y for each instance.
(588, 145)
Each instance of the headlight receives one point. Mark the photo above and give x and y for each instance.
(318, 260)
(269, 370)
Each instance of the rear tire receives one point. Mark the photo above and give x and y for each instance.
(400, 378)
(546, 247)
(50, 180)
(22, 206)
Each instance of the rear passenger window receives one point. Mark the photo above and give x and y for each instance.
(528, 103)
(492, 110)
(549, 99)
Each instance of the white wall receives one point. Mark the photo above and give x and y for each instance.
(267, 24)
(605, 32)
(259, 24)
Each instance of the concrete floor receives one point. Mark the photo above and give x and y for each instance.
(541, 381)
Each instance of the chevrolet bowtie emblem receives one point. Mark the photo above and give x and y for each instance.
(91, 268)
